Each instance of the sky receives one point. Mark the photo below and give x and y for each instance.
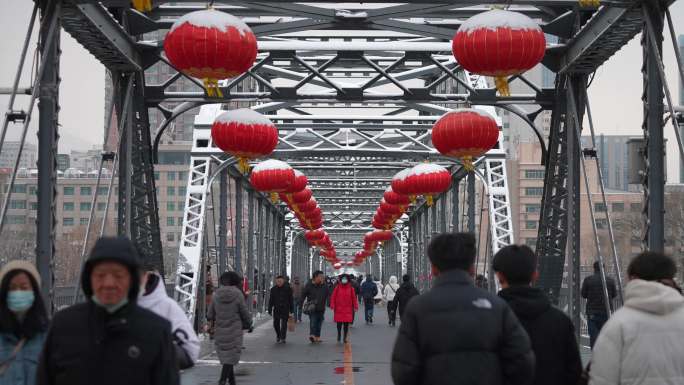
(615, 94)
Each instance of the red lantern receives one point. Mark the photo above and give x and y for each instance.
(399, 182)
(315, 236)
(306, 207)
(210, 45)
(296, 198)
(499, 43)
(299, 183)
(389, 208)
(465, 134)
(394, 198)
(272, 176)
(337, 266)
(245, 134)
(428, 179)
(382, 236)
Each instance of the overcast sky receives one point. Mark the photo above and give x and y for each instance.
(615, 94)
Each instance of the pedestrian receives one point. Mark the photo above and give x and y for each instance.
(641, 344)
(281, 307)
(378, 296)
(109, 339)
(368, 292)
(456, 332)
(297, 296)
(406, 291)
(154, 298)
(315, 294)
(230, 317)
(551, 332)
(344, 304)
(390, 294)
(23, 323)
(592, 291)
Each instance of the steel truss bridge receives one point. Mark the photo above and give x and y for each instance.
(354, 89)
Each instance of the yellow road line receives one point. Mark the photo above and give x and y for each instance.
(348, 370)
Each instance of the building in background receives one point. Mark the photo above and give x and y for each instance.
(612, 151)
(10, 149)
(63, 162)
(85, 161)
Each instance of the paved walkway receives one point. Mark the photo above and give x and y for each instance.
(364, 361)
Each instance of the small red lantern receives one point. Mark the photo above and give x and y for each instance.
(394, 198)
(296, 198)
(399, 182)
(428, 179)
(314, 236)
(306, 207)
(465, 134)
(499, 43)
(245, 134)
(389, 208)
(211, 45)
(272, 176)
(299, 183)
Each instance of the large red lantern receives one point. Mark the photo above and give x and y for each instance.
(245, 134)
(428, 179)
(499, 43)
(272, 176)
(465, 134)
(210, 45)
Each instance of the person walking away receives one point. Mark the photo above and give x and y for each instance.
(406, 291)
(368, 291)
(154, 298)
(315, 293)
(109, 339)
(344, 304)
(297, 297)
(390, 294)
(456, 332)
(230, 316)
(378, 296)
(551, 332)
(592, 291)
(641, 343)
(23, 323)
(281, 307)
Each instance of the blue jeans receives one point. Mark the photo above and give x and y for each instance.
(594, 323)
(316, 322)
(298, 303)
(368, 306)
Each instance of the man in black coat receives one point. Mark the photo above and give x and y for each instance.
(109, 339)
(281, 307)
(458, 333)
(550, 330)
(316, 291)
(368, 291)
(592, 291)
(404, 294)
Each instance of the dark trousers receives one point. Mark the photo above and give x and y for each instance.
(340, 325)
(316, 323)
(368, 306)
(595, 323)
(227, 373)
(280, 326)
(298, 304)
(392, 311)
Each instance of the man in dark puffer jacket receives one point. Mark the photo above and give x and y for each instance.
(550, 330)
(457, 333)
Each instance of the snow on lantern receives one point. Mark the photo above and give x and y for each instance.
(499, 43)
(465, 134)
(245, 134)
(428, 179)
(272, 176)
(399, 184)
(211, 45)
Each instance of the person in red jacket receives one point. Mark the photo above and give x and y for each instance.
(344, 304)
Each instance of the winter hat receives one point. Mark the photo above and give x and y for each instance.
(20, 265)
(113, 249)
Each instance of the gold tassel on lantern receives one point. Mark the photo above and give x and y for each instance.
(589, 3)
(243, 165)
(142, 5)
(429, 200)
(212, 88)
(274, 197)
(468, 163)
(501, 83)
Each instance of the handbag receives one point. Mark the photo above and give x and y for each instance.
(4, 365)
(291, 324)
(182, 357)
(309, 307)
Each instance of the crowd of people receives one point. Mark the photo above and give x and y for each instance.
(129, 331)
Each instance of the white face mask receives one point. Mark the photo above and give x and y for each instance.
(344, 281)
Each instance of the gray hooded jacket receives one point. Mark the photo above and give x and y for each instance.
(229, 312)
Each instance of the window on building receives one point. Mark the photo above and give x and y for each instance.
(182, 175)
(170, 190)
(33, 190)
(533, 208)
(635, 241)
(534, 174)
(530, 225)
(34, 206)
(84, 221)
(101, 206)
(85, 206)
(170, 221)
(170, 237)
(182, 190)
(67, 221)
(68, 206)
(601, 223)
(19, 189)
(16, 219)
(531, 242)
(599, 207)
(635, 207)
(17, 204)
(180, 221)
(534, 191)
(181, 205)
(68, 190)
(170, 206)
(102, 190)
(86, 190)
(618, 207)
(170, 175)
(156, 175)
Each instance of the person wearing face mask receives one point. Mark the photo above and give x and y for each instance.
(109, 339)
(344, 304)
(23, 323)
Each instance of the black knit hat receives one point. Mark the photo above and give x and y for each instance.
(113, 249)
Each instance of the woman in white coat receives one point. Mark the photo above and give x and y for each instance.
(641, 344)
(389, 294)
